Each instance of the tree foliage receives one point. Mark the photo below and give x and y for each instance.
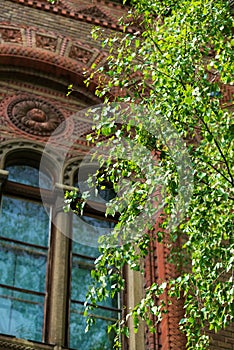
(174, 59)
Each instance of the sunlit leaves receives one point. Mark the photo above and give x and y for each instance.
(174, 62)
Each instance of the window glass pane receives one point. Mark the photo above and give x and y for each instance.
(84, 250)
(81, 280)
(86, 232)
(22, 266)
(28, 175)
(21, 314)
(97, 338)
(24, 221)
(81, 277)
(106, 192)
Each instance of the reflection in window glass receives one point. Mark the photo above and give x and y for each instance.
(23, 267)
(97, 338)
(24, 221)
(86, 232)
(28, 175)
(85, 251)
(21, 314)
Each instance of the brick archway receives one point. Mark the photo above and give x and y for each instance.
(48, 52)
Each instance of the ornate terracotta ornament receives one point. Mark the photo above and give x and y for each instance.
(10, 35)
(80, 54)
(46, 42)
(92, 10)
(35, 116)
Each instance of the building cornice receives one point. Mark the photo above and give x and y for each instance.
(61, 9)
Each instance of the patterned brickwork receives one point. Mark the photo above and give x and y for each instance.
(223, 340)
(12, 38)
(100, 13)
(171, 337)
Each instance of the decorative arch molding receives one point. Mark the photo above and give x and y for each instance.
(70, 169)
(48, 52)
(31, 152)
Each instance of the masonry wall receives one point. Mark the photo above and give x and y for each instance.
(63, 23)
(67, 47)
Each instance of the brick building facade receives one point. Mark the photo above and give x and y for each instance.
(43, 49)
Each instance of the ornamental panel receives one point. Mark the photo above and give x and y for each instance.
(10, 34)
(46, 42)
(78, 53)
(95, 12)
(85, 8)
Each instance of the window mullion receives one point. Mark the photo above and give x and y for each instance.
(58, 289)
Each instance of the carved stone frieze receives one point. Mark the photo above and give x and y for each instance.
(46, 42)
(10, 35)
(47, 47)
(80, 54)
(35, 115)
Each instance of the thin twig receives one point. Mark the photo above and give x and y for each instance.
(221, 153)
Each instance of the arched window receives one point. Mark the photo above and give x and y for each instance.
(29, 175)
(24, 243)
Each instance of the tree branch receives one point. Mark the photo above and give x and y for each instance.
(221, 153)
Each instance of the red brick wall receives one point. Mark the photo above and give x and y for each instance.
(66, 20)
(223, 340)
(11, 11)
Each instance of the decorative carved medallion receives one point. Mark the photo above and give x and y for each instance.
(35, 116)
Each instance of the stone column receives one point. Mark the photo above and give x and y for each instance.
(134, 295)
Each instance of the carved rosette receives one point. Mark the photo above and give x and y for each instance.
(35, 116)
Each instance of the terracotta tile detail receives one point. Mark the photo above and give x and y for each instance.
(10, 34)
(46, 42)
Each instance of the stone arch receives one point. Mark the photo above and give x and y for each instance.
(31, 152)
(70, 169)
(53, 54)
